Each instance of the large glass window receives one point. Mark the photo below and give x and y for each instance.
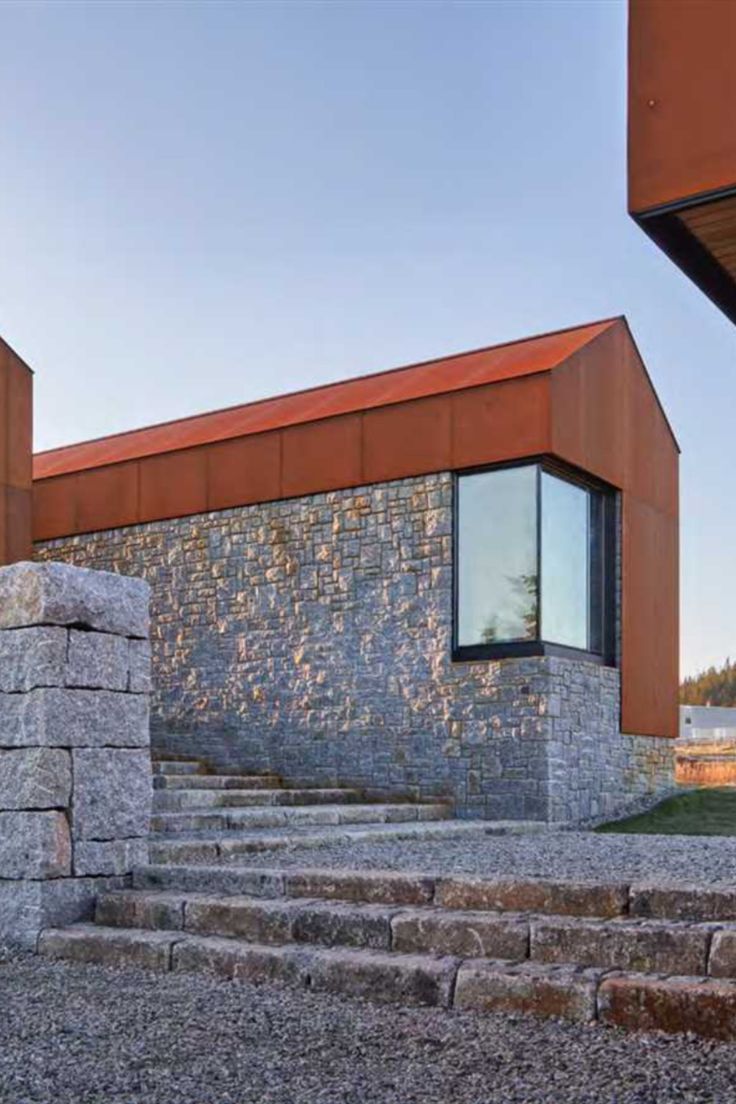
(565, 558)
(497, 556)
(533, 563)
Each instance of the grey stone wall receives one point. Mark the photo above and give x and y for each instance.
(75, 766)
(312, 637)
(594, 770)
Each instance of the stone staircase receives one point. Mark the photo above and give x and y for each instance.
(634, 956)
(200, 816)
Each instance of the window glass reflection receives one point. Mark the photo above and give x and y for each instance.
(497, 556)
(565, 562)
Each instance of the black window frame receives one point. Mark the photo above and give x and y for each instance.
(609, 546)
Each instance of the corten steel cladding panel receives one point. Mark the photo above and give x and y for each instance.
(682, 100)
(650, 621)
(16, 456)
(173, 485)
(409, 439)
(55, 507)
(110, 498)
(607, 420)
(596, 410)
(244, 471)
(322, 456)
(502, 421)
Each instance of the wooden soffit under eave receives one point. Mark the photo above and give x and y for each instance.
(682, 137)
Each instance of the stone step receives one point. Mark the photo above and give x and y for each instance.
(699, 1005)
(216, 781)
(544, 896)
(403, 979)
(563, 898)
(221, 847)
(204, 820)
(183, 800)
(326, 923)
(176, 767)
(644, 946)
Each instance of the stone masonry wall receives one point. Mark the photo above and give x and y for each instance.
(75, 769)
(312, 637)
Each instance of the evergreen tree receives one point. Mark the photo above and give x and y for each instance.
(716, 686)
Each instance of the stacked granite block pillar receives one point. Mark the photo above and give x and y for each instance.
(75, 769)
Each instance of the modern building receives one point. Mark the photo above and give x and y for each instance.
(705, 754)
(707, 722)
(456, 579)
(682, 138)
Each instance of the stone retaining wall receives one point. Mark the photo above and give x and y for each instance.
(312, 637)
(75, 769)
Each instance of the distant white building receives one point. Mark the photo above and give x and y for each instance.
(707, 722)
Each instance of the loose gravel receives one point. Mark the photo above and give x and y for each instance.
(546, 855)
(75, 1034)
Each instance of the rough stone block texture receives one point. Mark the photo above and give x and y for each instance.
(567, 992)
(211, 879)
(683, 902)
(140, 910)
(20, 907)
(109, 946)
(57, 594)
(139, 664)
(74, 718)
(603, 899)
(118, 856)
(75, 773)
(646, 946)
(705, 1007)
(722, 959)
(32, 657)
(465, 934)
(183, 851)
(179, 801)
(339, 925)
(34, 845)
(328, 607)
(229, 959)
(215, 781)
(28, 906)
(68, 900)
(379, 888)
(112, 793)
(391, 978)
(254, 921)
(98, 661)
(35, 778)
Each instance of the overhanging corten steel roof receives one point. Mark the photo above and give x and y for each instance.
(682, 136)
(496, 363)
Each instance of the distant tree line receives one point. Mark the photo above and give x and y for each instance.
(716, 686)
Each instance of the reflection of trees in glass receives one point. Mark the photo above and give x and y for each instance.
(523, 590)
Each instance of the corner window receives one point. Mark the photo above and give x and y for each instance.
(534, 557)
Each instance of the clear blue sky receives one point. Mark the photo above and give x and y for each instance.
(206, 203)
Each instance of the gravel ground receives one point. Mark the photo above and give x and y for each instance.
(72, 1034)
(554, 854)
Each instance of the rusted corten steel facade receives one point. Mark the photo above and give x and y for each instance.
(682, 136)
(582, 396)
(16, 435)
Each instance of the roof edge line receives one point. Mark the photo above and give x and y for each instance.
(320, 386)
(287, 425)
